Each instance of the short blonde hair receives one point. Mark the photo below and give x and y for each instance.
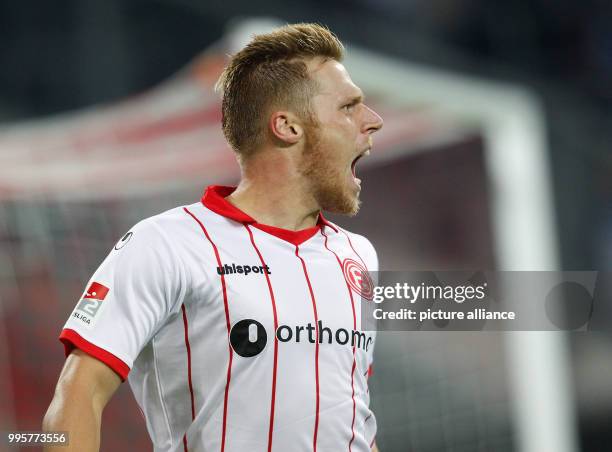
(270, 72)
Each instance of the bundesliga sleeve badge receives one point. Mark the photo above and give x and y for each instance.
(89, 306)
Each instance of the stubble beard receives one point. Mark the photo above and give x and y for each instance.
(327, 183)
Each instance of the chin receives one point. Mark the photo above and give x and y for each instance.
(344, 201)
(334, 190)
(354, 209)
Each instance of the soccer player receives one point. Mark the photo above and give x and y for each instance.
(237, 318)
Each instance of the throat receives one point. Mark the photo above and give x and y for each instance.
(267, 207)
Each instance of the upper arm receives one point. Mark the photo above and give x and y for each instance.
(85, 379)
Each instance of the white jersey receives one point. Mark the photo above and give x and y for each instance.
(236, 336)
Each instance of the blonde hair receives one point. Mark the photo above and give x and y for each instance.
(270, 72)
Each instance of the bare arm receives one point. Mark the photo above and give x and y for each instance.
(375, 448)
(85, 386)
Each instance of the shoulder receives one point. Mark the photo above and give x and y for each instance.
(362, 246)
(165, 223)
(166, 226)
(161, 235)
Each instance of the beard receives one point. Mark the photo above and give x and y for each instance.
(326, 178)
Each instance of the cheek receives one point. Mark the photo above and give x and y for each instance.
(342, 124)
(343, 136)
(329, 159)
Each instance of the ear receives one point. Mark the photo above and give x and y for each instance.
(286, 127)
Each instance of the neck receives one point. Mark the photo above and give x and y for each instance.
(274, 193)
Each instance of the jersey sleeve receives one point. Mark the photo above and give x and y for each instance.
(368, 254)
(365, 250)
(133, 292)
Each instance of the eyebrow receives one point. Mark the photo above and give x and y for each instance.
(354, 99)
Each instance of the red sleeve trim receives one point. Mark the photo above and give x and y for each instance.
(72, 339)
(370, 370)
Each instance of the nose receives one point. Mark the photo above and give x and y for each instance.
(372, 121)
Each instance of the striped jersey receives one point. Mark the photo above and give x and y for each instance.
(236, 336)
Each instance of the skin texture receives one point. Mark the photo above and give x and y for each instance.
(303, 167)
(84, 388)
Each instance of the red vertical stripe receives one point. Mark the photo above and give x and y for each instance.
(227, 321)
(186, 325)
(316, 317)
(272, 400)
(186, 328)
(354, 328)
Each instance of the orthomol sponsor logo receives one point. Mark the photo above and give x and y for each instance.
(248, 337)
(231, 269)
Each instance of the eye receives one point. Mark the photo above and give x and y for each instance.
(348, 107)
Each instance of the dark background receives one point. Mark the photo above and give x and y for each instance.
(63, 55)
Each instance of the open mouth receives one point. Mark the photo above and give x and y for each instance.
(354, 163)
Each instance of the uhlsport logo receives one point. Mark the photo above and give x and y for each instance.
(231, 269)
(248, 337)
(89, 306)
(358, 278)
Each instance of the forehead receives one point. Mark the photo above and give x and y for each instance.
(332, 78)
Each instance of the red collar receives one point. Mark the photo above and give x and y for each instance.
(214, 199)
